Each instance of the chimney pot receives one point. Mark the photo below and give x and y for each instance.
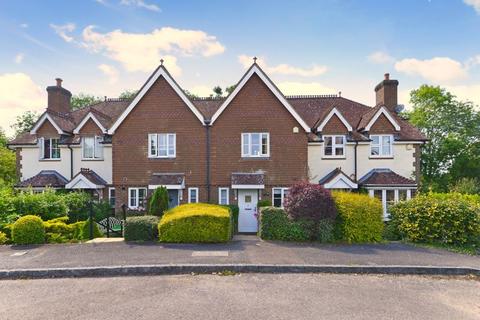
(386, 93)
(387, 76)
(59, 82)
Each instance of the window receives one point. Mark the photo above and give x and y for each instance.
(223, 196)
(92, 147)
(192, 195)
(381, 146)
(278, 196)
(334, 146)
(49, 148)
(136, 198)
(162, 145)
(255, 144)
(390, 196)
(111, 196)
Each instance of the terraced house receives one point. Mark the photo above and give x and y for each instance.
(249, 146)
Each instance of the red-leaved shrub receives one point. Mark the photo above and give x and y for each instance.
(309, 201)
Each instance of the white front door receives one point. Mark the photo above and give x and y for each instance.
(247, 203)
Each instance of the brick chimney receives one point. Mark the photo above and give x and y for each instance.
(387, 93)
(58, 98)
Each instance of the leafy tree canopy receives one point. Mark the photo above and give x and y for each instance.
(25, 122)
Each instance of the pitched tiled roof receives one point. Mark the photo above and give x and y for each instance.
(208, 106)
(332, 174)
(44, 178)
(92, 176)
(385, 177)
(167, 179)
(254, 178)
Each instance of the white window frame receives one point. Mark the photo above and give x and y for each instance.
(97, 148)
(190, 194)
(249, 153)
(396, 190)
(380, 146)
(41, 142)
(334, 146)
(110, 196)
(220, 195)
(136, 204)
(282, 195)
(155, 137)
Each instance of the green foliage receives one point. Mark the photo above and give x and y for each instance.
(218, 91)
(3, 238)
(196, 222)
(360, 217)
(77, 204)
(235, 210)
(84, 233)
(276, 225)
(438, 218)
(47, 205)
(453, 128)
(102, 209)
(158, 203)
(6, 202)
(25, 122)
(8, 166)
(128, 94)
(143, 228)
(82, 100)
(326, 231)
(466, 186)
(264, 203)
(28, 230)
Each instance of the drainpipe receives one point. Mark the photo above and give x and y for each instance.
(71, 161)
(207, 182)
(355, 160)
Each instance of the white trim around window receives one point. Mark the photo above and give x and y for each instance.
(255, 145)
(278, 196)
(136, 197)
(49, 148)
(162, 145)
(381, 146)
(399, 194)
(334, 146)
(223, 196)
(192, 195)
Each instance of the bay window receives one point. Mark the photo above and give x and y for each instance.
(256, 144)
(162, 145)
(381, 146)
(334, 146)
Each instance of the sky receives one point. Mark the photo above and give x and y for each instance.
(104, 47)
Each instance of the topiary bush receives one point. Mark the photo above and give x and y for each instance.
(3, 238)
(141, 228)
(28, 230)
(158, 202)
(274, 224)
(360, 217)
(448, 218)
(196, 222)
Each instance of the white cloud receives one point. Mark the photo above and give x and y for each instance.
(62, 30)
(437, 69)
(19, 58)
(466, 92)
(380, 57)
(283, 68)
(110, 71)
(141, 4)
(474, 3)
(304, 88)
(18, 93)
(143, 51)
(24, 25)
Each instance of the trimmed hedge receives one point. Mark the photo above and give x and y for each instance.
(196, 222)
(360, 217)
(264, 203)
(143, 228)
(274, 224)
(48, 205)
(28, 230)
(84, 230)
(438, 218)
(235, 210)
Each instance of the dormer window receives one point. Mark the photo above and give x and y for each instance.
(92, 148)
(49, 148)
(381, 146)
(334, 146)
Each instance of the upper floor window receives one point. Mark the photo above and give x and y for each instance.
(256, 144)
(334, 146)
(381, 146)
(278, 196)
(162, 145)
(137, 197)
(49, 148)
(92, 147)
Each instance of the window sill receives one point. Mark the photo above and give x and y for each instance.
(380, 158)
(87, 159)
(334, 158)
(48, 160)
(255, 158)
(162, 158)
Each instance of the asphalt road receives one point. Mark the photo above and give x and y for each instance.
(244, 296)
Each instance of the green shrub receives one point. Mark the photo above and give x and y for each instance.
(48, 205)
(438, 218)
(84, 232)
(264, 203)
(6, 202)
(466, 186)
(28, 230)
(235, 210)
(141, 228)
(77, 204)
(158, 203)
(326, 231)
(59, 226)
(55, 238)
(276, 225)
(3, 238)
(196, 222)
(360, 217)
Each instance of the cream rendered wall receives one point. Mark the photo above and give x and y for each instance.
(32, 165)
(402, 162)
(102, 167)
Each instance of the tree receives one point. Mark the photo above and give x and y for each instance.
(128, 94)
(3, 138)
(158, 203)
(83, 100)
(7, 162)
(230, 89)
(466, 186)
(453, 128)
(218, 91)
(25, 122)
